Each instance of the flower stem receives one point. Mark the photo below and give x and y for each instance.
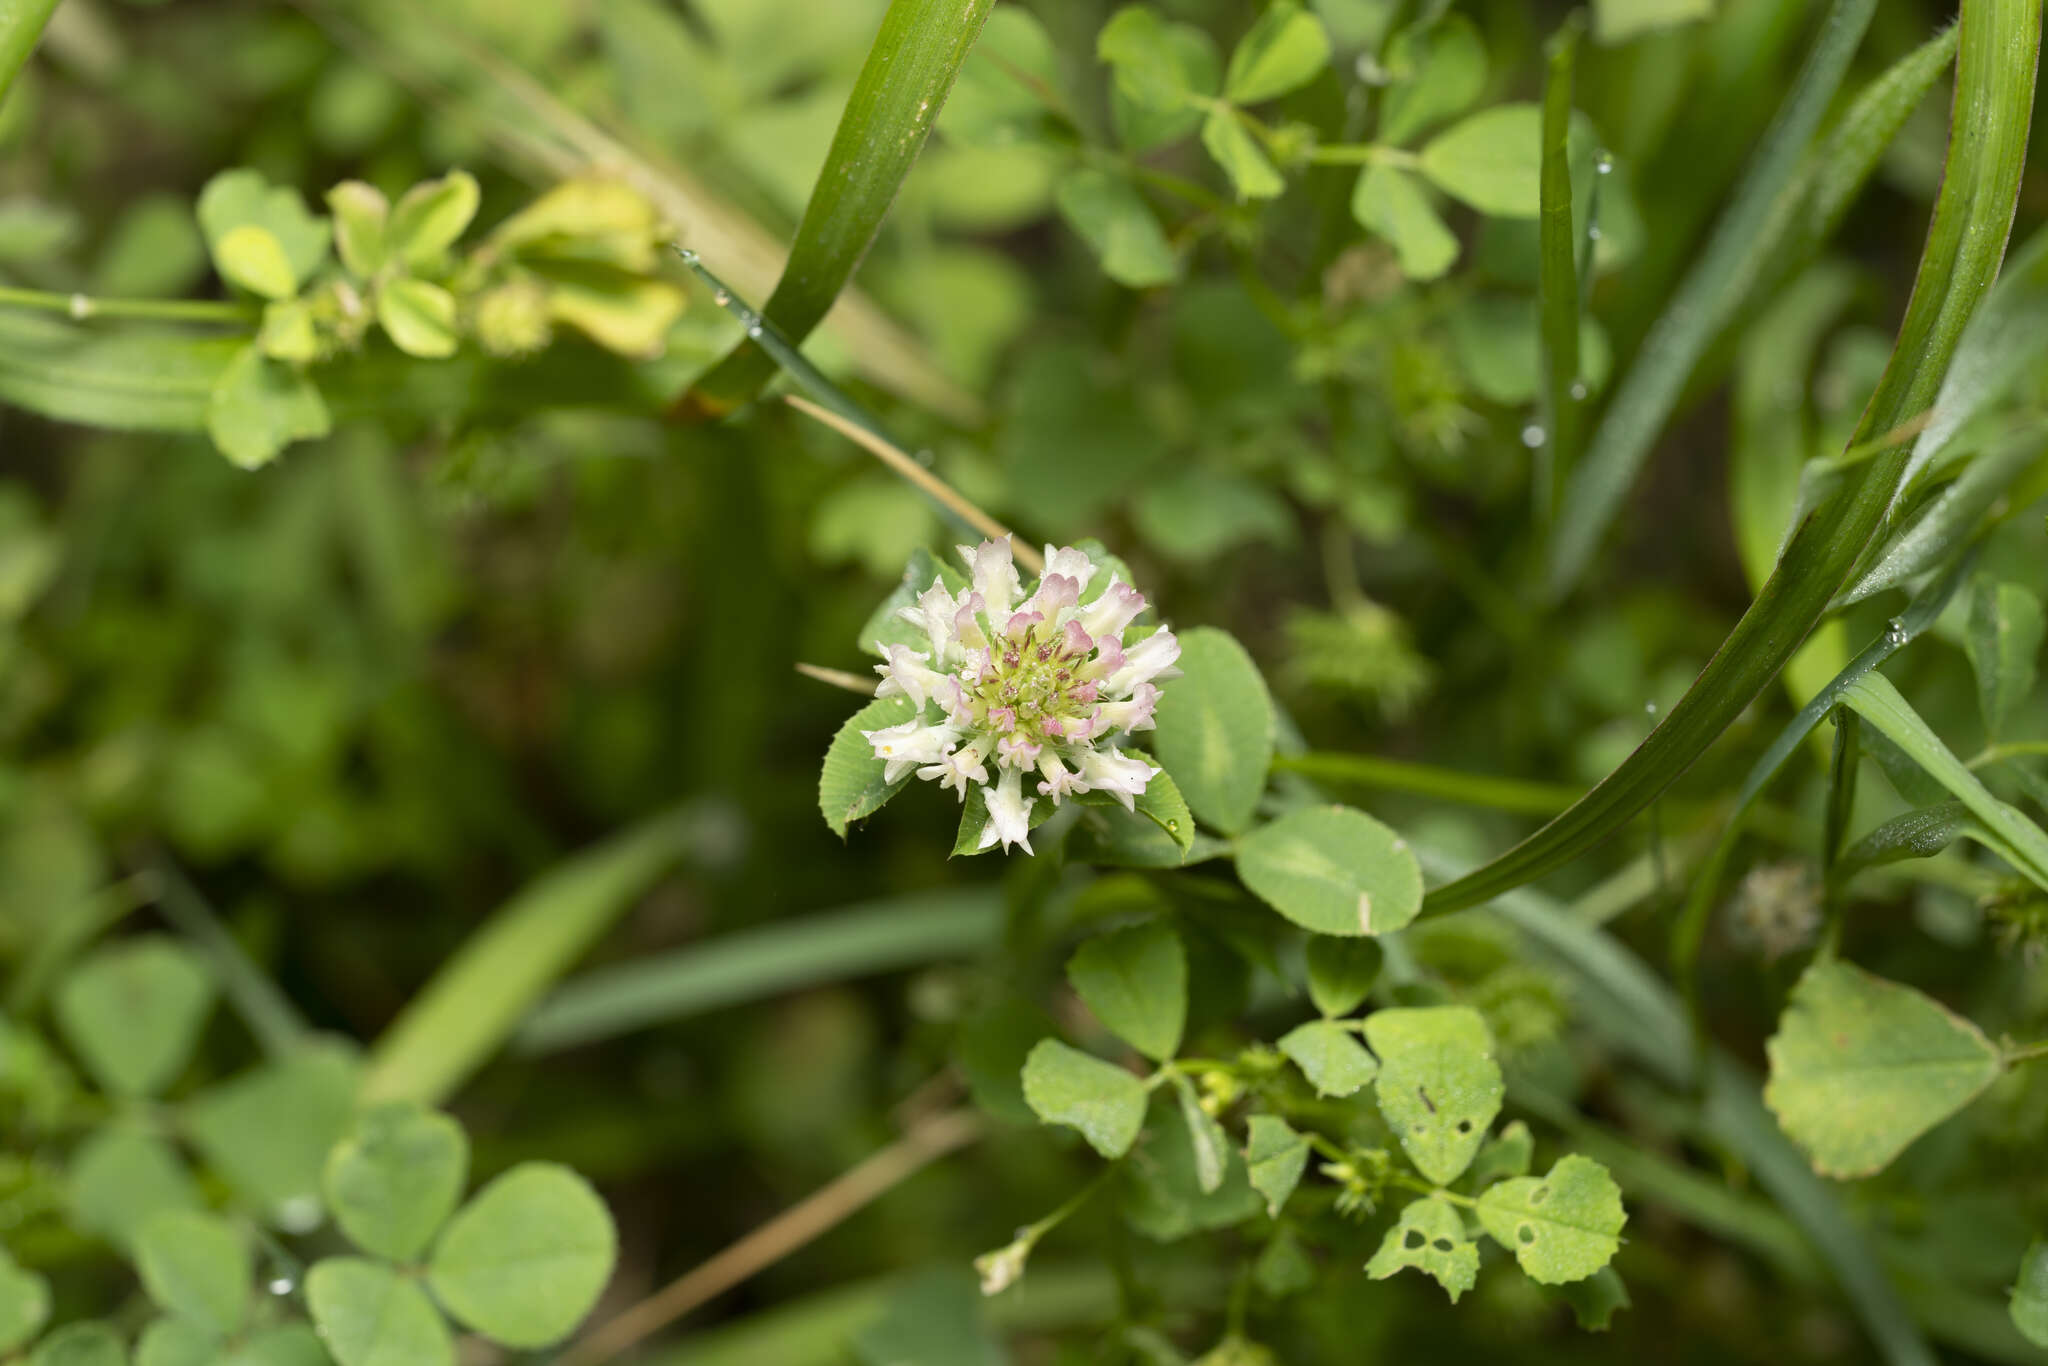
(80, 307)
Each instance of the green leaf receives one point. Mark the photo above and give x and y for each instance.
(1341, 972)
(418, 317)
(1063, 1085)
(1431, 1238)
(1119, 227)
(1215, 729)
(121, 1176)
(177, 1342)
(990, 1051)
(80, 1344)
(525, 1260)
(1491, 160)
(252, 257)
(901, 89)
(1439, 1087)
(196, 1266)
(286, 1344)
(1563, 1227)
(1595, 1300)
(1860, 1067)
(24, 1304)
(1949, 519)
(1507, 1154)
(361, 214)
(259, 406)
(1285, 50)
(1334, 1062)
(1162, 72)
(1237, 151)
(1135, 980)
(851, 785)
(1274, 1157)
(393, 1182)
(1207, 1143)
(2004, 642)
(1160, 807)
(431, 217)
(1163, 1197)
(132, 1012)
(1617, 21)
(2029, 1306)
(996, 100)
(1436, 73)
(20, 26)
(1392, 204)
(370, 1314)
(1333, 870)
(933, 1317)
(243, 198)
(288, 333)
(269, 1131)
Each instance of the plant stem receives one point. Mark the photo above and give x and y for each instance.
(1363, 154)
(942, 492)
(80, 307)
(2026, 1052)
(268, 1013)
(838, 678)
(2015, 749)
(794, 1228)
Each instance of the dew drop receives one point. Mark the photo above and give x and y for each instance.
(1532, 436)
(1593, 233)
(81, 307)
(688, 254)
(924, 458)
(281, 1285)
(1649, 708)
(754, 328)
(1579, 390)
(1605, 165)
(721, 298)
(1895, 633)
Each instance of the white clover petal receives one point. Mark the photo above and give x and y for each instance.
(911, 743)
(1109, 614)
(956, 770)
(1071, 563)
(1009, 813)
(1130, 713)
(933, 614)
(906, 673)
(1117, 774)
(1150, 658)
(995, 575)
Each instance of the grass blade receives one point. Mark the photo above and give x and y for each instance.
(1702, 305)
(1999, 42)
(1557, 278)
(878, 936)
(902, 85)
(21, 27)
(462, 1016)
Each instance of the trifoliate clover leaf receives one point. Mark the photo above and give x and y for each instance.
(1334, 1062)
(1860, 1067)
(1438, 1087)
(1106, 1104)
(526, 1258)
(1561, 1227)
(1135, 980)
(1274, 1157)
(1431, 1238)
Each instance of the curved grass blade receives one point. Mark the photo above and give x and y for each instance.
(1998, 44)
(466, 1012)
(21, 27)
(1704, 302)
(1953, 516)
(902, 85)
(880, 936)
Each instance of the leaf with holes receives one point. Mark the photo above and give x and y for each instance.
(1063, 1085)
(1334, 1062)
(197, 1267)
(1431, 1238)
(1341, 972)
(1860, 1067)
(394, 1181)
(132, 1012)
(1275, 1157)
(1333, 870)
(1136, 981)
(525, 1259)
(1561, 1227)
(1439, 1086)
(369, 1314)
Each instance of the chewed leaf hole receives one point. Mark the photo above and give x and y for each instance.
(1539, 1195)
(1413, 1240)
(1464, 1126)
(1442, 1245)
(1526, 1234)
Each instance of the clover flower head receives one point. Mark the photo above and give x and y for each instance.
(1024, 695)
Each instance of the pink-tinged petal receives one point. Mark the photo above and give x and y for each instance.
(1059, 779)
(1016, 751)
(1117, 774)
(1131, 713)
(1084, 693)
(966, 622)
(1074, 642)
(1056, 593)
(1070, 563)
(1109, 614)
(1021, 622)
(1051, 726)
(1148, 659)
